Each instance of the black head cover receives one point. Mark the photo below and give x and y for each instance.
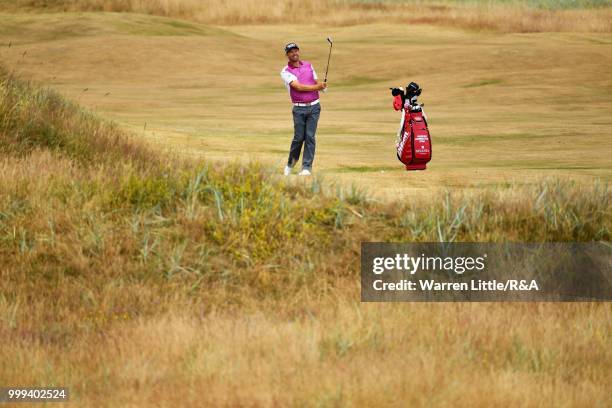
(413, 89)
(397, 91)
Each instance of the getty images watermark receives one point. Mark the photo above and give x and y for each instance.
(486, 272)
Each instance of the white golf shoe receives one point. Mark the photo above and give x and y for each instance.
(304, 172)
(287, 171)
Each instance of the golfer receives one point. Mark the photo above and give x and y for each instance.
(301, 81)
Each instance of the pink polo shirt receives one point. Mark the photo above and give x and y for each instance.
(304, 74)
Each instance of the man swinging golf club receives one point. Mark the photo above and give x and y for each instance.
(303, 85)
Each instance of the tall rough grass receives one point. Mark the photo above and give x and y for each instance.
(497, 15)
(135, 277)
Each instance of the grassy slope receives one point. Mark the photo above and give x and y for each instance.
(501, 106)
(135, 277)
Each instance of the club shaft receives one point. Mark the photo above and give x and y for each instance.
(328, 58)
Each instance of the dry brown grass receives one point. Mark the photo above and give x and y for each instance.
(337, 354)
(513, 17)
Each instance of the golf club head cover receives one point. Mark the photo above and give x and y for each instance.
(398, 103)
(413, 89)
(398, 98)
(396, 91)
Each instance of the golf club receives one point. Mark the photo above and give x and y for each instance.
(329, 40)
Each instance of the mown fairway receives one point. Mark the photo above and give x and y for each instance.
(501, 106)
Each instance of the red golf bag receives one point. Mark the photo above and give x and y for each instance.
(414, 142)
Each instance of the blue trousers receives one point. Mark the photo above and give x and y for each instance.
(305, 119)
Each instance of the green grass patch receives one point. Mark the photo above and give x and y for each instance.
(158, 26)
(366, 169)
(459, 140)
(538, 4)
(483, 82)
(62, 26)
(358, 81)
